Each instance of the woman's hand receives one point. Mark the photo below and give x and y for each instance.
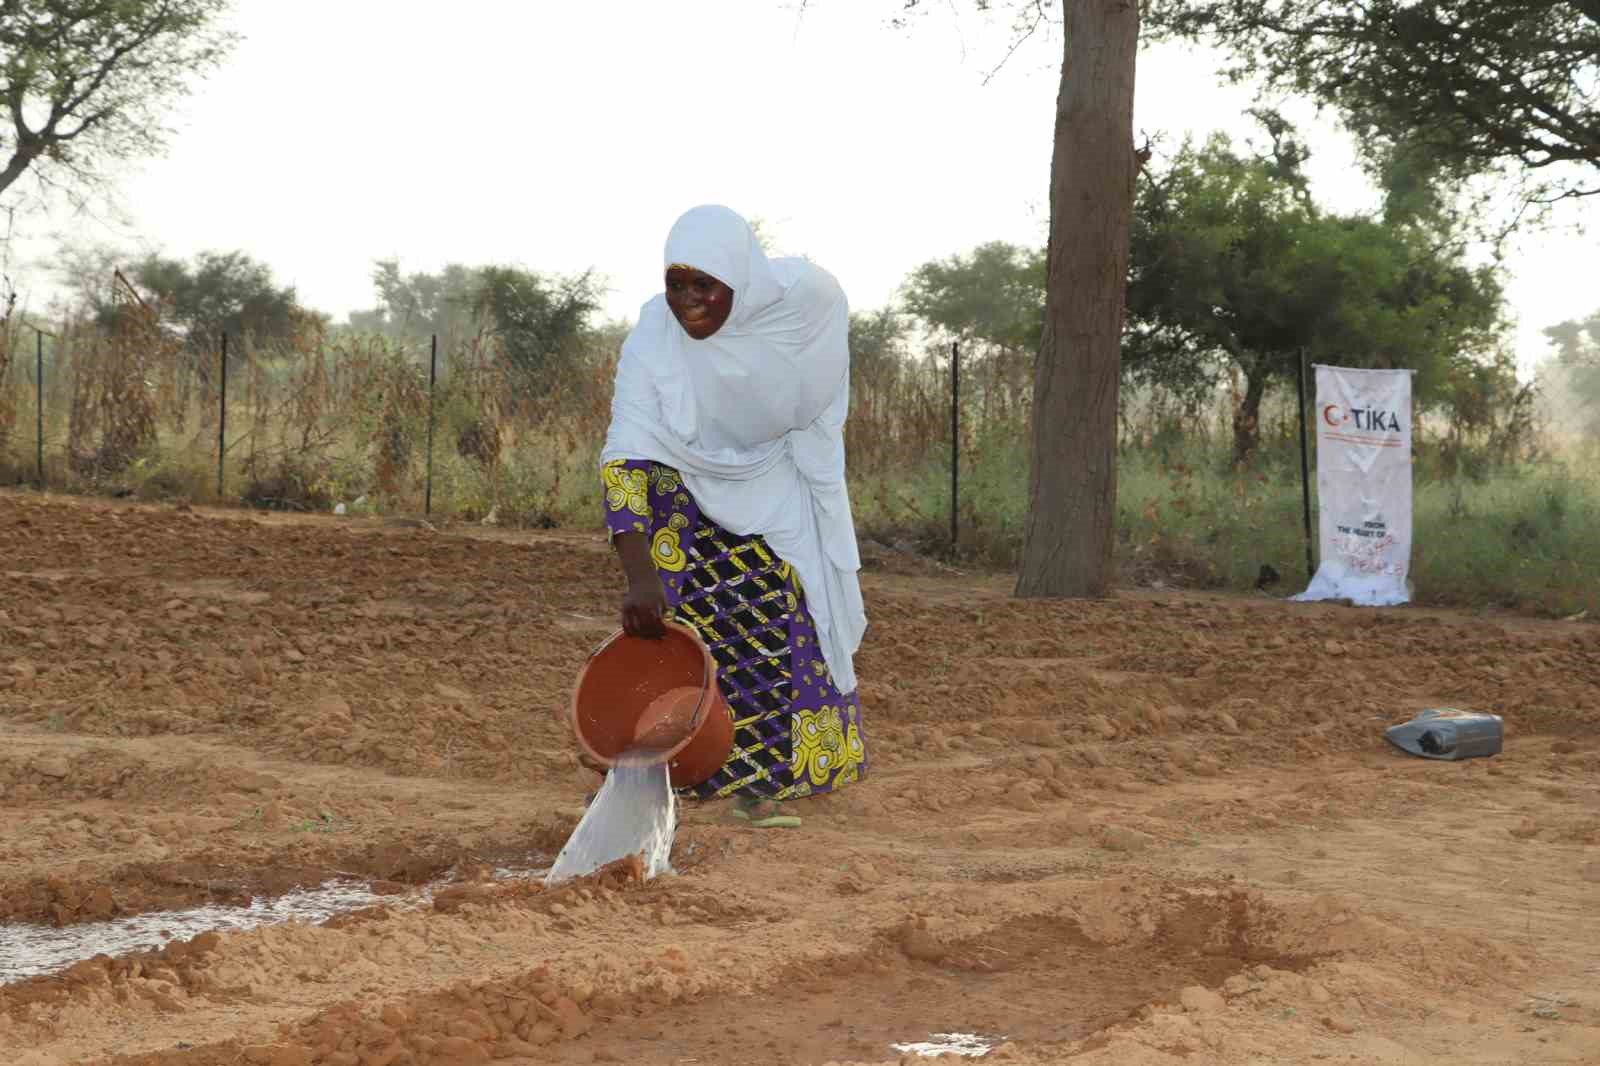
(644, 607)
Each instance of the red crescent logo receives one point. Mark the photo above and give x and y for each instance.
(1327, 415)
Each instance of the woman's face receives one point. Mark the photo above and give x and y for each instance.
(699, 301)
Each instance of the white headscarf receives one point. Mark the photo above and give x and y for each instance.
(753, 416)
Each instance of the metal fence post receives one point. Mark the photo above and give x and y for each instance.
(38, 404)
(222, 417)
(433, 374)
(955, 447)
(1305, 464)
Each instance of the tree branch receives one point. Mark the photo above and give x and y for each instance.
(1481, 81)
(18, 122)
(14, 168)
(1025, 33)
(108, 65)
(97, 70)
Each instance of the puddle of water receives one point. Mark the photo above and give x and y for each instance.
(28, 950)
(966, 1045)
(635, 812)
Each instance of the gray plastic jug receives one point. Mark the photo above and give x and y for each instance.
(1447, 733)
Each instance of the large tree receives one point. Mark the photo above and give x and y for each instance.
(1233, 259)
(1475, 83)
(1073, 476)
(992, 299)
(1072, 497)
(415, 306)
(213, 293)
(991, 295)
(536, 317)
(1072, 479)
(222, 292)
(85, 82)
(1233, 265)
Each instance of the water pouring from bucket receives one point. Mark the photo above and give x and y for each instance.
(650, 713)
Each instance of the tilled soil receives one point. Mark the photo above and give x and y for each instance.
(1159, 828)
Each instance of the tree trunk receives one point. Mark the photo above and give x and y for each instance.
(1073, 485)
(15, 166)
(1247, 419)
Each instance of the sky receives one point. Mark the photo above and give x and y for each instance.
(564, 136)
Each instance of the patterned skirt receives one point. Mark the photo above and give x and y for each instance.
(795, 733)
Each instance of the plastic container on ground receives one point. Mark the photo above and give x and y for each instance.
(1448, 734)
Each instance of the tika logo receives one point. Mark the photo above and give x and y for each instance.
(1364, 418)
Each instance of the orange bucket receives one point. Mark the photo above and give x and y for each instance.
(660, 695)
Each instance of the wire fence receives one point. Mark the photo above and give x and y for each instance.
(369, 422)
(450, 424)
(938, 442)
(421, 425)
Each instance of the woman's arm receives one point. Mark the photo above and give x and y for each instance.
(644, 605)
(629, 518)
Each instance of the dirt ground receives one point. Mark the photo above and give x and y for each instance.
(1163, 828)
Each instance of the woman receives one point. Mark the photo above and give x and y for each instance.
(726, 501)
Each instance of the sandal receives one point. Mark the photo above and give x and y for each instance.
(763, 813)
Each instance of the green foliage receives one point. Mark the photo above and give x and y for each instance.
(1470, 83)
(417, 306)
(221, 292)
(1212, 241)
(1233, 264)
(539, 320)
(1520, 536)
(536, 317)
(991, 300)
(1232, 259)
(1524, 538)
(86, 81)
(993, 295)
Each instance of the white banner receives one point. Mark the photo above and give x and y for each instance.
(1363, 486)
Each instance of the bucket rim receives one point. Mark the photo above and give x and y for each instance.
(708, 681)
